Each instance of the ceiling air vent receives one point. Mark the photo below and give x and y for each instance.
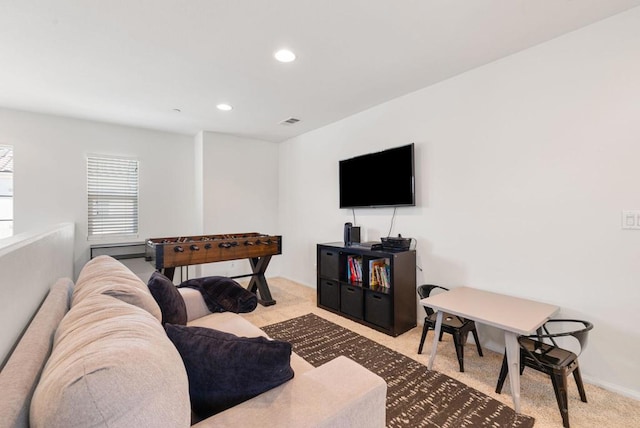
(290, 121)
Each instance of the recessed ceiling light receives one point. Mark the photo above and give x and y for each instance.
(224, 107)
(285, 55)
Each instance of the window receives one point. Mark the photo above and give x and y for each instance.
(6, 191)
(112, 187)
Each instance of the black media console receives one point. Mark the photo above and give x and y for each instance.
(374, 288)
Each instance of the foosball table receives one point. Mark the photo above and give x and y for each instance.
(168, 253)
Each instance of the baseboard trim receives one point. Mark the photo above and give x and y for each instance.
(627, 392)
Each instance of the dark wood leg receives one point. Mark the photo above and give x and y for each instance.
(578, 379)
(168, 272)
(458, 341)
(258, 281)
(475, 337)
(503, 374)
(425, 330)
(560, 388)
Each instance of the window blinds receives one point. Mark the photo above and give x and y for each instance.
(112, 188)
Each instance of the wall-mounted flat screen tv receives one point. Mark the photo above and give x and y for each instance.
(381, 179)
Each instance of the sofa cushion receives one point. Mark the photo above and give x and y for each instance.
(112, 365)
(193, 300)
(229, 323)
(171, 303)
(106, 275)
(225, 369)
(223, 294)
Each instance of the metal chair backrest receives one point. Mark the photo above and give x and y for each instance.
(580, 334)
(424, 291)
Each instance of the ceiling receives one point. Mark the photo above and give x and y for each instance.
(134, 62)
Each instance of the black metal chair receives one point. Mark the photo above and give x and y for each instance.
(458, 327)
(549, 358)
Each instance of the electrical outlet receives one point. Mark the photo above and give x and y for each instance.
(631, 219)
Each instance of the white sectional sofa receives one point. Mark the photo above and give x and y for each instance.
(96, 354)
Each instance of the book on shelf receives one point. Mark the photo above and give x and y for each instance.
(379, 274)
(354, 266)
(383, 276)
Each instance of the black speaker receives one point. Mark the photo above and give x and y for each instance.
(351, 234)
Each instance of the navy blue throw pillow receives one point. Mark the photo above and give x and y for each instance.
(225, 370)
(172, 306)
(223, 294)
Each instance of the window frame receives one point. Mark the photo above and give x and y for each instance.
(7, 171)
(114, 183)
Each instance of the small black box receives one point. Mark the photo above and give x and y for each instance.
(396, 244)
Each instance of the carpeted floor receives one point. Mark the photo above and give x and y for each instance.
(416, 397)
(604, 409)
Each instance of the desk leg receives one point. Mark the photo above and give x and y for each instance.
(436, 336)
(513, 361)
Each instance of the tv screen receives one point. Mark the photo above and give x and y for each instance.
(382, 179)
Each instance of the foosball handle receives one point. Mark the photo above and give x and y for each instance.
(178, 249)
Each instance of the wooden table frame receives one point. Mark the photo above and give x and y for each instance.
(168, 253)
(258, 282)
(515, 316)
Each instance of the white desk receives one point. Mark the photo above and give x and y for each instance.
(514, 315)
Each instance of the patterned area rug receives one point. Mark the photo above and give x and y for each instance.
(416, 397)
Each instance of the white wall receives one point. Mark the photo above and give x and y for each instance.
(210, 183)
(50, 174)
(523, 167)
(30, 264)
(240, 192)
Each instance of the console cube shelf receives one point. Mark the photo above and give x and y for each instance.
(374, 288)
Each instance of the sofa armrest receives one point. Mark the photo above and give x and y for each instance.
(196, 306)
(21, 374)
(340, 393)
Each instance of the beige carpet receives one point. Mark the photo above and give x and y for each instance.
(604, 409)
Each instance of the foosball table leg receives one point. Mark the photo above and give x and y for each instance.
(259, 282)
(168, 272)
